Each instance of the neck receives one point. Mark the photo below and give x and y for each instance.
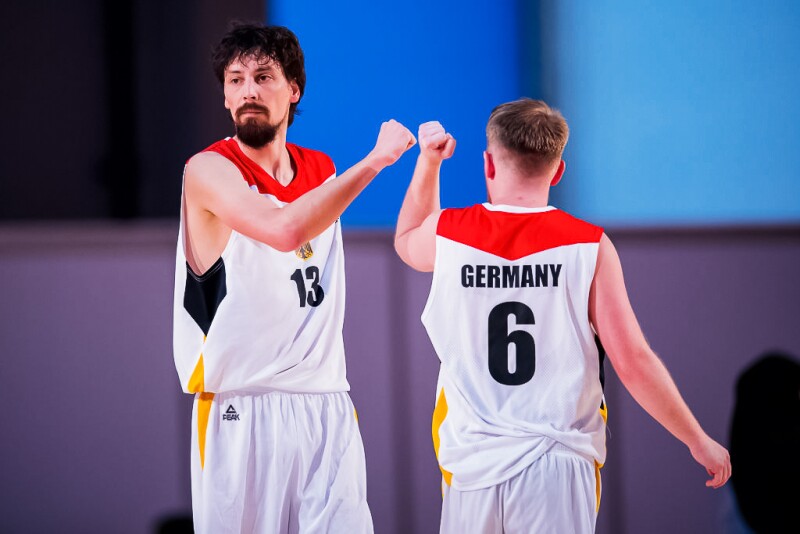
(517, 193)
(272, 157)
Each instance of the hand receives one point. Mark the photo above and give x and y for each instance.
(393, 140)
(715, 458)
(434, 142)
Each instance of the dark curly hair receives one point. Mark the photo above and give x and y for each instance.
(246, 41)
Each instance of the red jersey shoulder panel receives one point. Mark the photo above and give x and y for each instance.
(312, 169)
(514, 235)
(318, 166)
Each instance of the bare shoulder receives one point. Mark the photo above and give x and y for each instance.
(210, 178)
(606, 253)
(207, 176)
(608, 277)
(204, 165)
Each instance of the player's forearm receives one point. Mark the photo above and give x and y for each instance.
(317, 210)
(422, 197)
(312, 213)
(651, 385)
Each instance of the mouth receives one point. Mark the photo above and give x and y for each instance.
(251, 111)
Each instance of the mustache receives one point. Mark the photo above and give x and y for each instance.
(251, 107)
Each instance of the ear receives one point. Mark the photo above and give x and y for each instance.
(488, 165)
(558, 174)
(295, 89)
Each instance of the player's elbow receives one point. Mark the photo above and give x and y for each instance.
(626, 372)
(289, 239)
(415, 263)
(401, 247)
(285, 246)
(402, 250)
(286, 235)
(409, 252)
(634, 365)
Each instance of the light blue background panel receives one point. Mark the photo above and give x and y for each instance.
(681, 114)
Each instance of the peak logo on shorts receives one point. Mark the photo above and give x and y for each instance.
(230, 414)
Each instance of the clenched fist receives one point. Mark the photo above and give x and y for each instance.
(434, 142)
(393, 140)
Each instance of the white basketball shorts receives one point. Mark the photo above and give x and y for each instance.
(556, 494)
(278, 463)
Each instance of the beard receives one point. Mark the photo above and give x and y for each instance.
(255, 132)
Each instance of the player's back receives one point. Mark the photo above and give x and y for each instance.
(508, 317)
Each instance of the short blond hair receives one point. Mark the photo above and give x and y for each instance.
(533, 132)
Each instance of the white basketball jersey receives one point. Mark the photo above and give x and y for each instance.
(508, 316)
(262, 320)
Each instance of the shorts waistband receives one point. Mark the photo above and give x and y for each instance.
(563, 450)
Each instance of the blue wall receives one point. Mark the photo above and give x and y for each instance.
(681, 113)
(416, 61)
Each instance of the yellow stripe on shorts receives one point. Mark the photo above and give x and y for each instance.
(204, 401)
(439, 413)
(598, 483)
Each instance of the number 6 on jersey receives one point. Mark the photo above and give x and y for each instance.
(500, 339)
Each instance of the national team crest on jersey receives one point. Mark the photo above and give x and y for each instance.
(305, 251)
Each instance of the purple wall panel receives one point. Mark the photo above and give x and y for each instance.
(97, 431)
(426, 497)
(93, 433)
(392, 371)
(710, 303)
(370, 339)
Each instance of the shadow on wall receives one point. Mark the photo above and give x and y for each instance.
(175, 525)
(764, 442)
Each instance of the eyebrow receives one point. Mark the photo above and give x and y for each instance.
(269, 67)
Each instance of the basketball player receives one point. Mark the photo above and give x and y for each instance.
(520, 292)
(259, 305)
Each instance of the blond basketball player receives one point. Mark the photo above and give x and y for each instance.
(259, 306)
(521, 292)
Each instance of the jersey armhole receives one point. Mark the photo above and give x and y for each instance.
(183, 236)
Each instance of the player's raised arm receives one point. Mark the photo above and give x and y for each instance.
(641, 371)
(214, 184)
(415, 237)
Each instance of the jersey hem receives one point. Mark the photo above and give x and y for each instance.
(554, 447)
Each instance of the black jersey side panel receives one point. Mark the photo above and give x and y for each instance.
(203, 294)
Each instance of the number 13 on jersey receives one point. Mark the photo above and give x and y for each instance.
(312, 296)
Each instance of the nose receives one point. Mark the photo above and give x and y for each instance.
(250, 86)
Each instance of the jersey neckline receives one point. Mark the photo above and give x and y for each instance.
(516, 209)
(293, 156)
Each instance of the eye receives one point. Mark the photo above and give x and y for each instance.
(234, 81)
(264, 77)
